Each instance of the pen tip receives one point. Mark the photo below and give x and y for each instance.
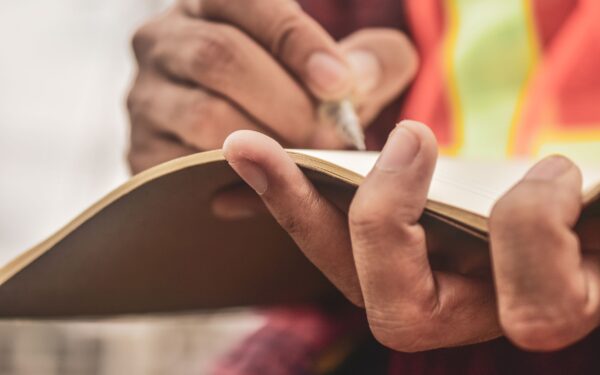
(344, 117)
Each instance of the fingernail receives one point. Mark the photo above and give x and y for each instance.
(326, 72)
(549, 169)
(400, 149)
(366, 69)
(251, 174)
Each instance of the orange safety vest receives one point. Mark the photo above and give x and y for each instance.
(502, 78)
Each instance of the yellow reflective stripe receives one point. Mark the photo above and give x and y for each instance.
(535, 53)
(450, 42)
(580, 143)
(489, 55)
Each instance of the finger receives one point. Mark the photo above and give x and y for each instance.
(290, 35)
(237, 202)
(224, 60)
(317, 226)
(400, 197)
(241, 202)
(547, 291)
(200, 119)
(149, 147)
(383, 62)
(407, 303)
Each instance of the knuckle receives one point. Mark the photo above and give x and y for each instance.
(538, 332)
(368, 221)
(213, 55)
(362, 218)
(525, 206)
(200, 108)
(144, 39)
(366, 214)
(365, 225)
(138, 104)
(202, 119)
(408, 339)
(544, 326)
(409, 329)
(287, 29)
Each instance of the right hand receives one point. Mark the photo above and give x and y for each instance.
(412, 287)
(209, 67)
(537, 280)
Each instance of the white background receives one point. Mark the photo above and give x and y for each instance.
(65, 66)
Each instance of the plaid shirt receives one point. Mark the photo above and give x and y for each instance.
(299, 340)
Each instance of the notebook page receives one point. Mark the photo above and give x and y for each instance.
(473, 186)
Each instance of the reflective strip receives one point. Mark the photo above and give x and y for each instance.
(489, 56)
(581, 145)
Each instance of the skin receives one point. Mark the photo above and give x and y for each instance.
(209, 67)
(543, 293)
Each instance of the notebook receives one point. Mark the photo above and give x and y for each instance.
(154, 245)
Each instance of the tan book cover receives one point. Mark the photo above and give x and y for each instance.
(153, 244)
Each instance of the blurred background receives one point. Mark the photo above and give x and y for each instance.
(64, 73)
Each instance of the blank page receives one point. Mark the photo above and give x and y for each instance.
(470, 185)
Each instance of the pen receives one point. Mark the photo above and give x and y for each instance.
(343, 115)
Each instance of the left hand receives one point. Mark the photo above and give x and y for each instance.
(547, 283)
(209, 67)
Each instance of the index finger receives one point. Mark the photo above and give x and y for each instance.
(290, 35)
(316, 225)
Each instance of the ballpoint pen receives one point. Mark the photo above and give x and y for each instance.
(343, 116)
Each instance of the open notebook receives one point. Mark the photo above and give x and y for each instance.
(153, 244)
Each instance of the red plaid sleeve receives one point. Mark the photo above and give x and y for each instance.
(295, 341)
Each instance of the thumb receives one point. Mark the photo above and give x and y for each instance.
(383, 62)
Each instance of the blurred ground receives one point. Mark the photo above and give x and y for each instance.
(142, 346)
(64, 72)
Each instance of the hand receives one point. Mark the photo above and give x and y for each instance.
(546, 267)
(546, 294)
(209, 67)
